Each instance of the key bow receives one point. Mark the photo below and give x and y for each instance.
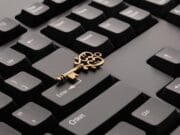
(89, 60)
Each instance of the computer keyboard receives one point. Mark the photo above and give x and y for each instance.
(135, 92)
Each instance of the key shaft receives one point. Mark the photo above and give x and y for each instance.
(71, 74)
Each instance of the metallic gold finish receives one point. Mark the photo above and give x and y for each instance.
(85, 61)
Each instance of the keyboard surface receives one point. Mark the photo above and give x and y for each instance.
(135, 92)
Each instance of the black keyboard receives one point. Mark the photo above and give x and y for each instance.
(135, 92)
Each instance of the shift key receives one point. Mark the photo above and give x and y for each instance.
(99, 110)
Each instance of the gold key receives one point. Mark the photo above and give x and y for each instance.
(85, 61)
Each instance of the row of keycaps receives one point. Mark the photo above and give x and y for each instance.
(84, 25)
(54, 99)
(28, 87)
(98, 116)
(38, 13)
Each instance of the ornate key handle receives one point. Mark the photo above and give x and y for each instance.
(85, 61)
(89, 60)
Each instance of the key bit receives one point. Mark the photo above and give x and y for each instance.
(85, 61)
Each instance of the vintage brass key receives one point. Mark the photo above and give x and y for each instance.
(85, 61)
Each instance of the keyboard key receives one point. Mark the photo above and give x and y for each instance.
(124, 128)
(99, 110)
(118, 31)
(174, 15)
(94, 42)
(157, 7)
(58, 5)
(88, 16)
(7, 130)
(155, 116)
(9, 29)
(63, 29)
(34, 46)
(74, 95)
(57, 62)
(6, 105)
(11, 62)
(167, 60)
(35, 15)
(140, 20)
(23, 87)
(176, 131)
(110, 7)
(32, 119)
(171, 92)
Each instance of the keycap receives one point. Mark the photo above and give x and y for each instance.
(35, 15)
(88, 16)
(23, 87)
(34, 46)
(94, 42)
(7, 130)
(32, 119)
(124, 128)
(9, 30)
(11, 62)
(171, 92)
(166, 60)
(140, 19)
(58, 6)
(119, 32)
(6, 105)
(176, 131)
(86, 61)
(174, 15)
(110, 7)
(63, 29)
(57, 62)
(99, 110)
(157, 7)
(65, 98)
(155, 116)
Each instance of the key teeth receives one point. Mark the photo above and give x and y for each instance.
(60, 78)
